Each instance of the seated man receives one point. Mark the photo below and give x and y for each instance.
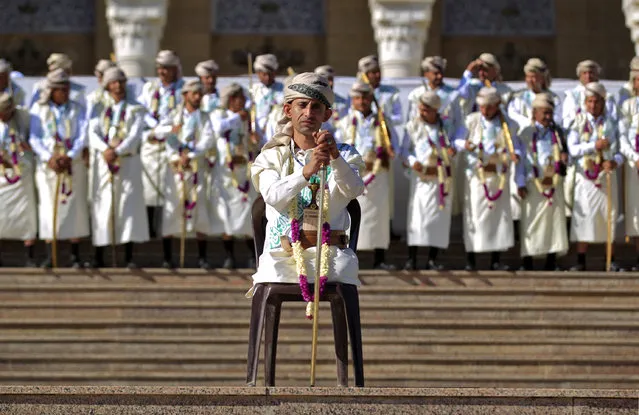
(286, 173)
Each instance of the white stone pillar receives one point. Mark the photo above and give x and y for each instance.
(631, 10)
(401, 29)
(136, 27)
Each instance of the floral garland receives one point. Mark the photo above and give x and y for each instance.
(63, 145)
(379, 148)
(637, 145)
(482, 175)
(114, 168)
(155, 106)
(548, 193)
(592, 169)
(298, 250)
(245, 186)
(13, 149)
(443, 165)
(189, 203)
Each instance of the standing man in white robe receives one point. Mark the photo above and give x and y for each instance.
(62, 61)
(10, 87)
(543, 219)
(593, 142)
(282, 174)
(340, 106)
(115, 134)
(98, 96)
(488, 224)
(189, 136)
(57, 131)
(574, 102)
(18, 201)
(160, 97)
(429, 153)
(207, 72)
(630, 149)
(236, 148)
(361, 130)
(481, 72)
(629, 99)
(267, 93)
(538, 81)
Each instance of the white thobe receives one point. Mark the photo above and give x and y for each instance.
(629, 147)
(48, 121)
(265, 98)
(520, 107)
(128, 213)
(232, 202)
(77, 93)
(270, 174)
(469, 87)
(196, 137)
(428, 223)
(488, 225)
(374, 232)
(18, 201)
(574, 104)
(543, 219)
(153, 153)
(590, 207)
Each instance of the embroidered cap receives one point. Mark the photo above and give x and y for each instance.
(266, 63)
(59, 61)
(207, 68)
(431, 99)
(488, 96)
(368, 63)
(434, 63)
(111, 75)
(309, 85)
(595, 89)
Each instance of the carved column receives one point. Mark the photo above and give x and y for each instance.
(401, 29)
(631, 10)
(136, 27)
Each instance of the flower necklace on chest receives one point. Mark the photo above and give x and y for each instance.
(61, 146)
(547, 191)
(245, 186)
(298, 251)
(13, 154)
(444, 171)
(114, 139)
(155, 101)
(184, 147)
(502, 152)
(380, 152)
(593, 167)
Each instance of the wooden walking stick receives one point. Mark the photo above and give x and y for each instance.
(54, 241)
(609, 236)
(318, 267)
(114, 262)
(183, 235)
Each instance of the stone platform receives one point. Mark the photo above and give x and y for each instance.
(116, 400)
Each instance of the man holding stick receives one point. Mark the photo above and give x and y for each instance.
(286, 173)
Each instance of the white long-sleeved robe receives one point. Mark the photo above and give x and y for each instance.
(232, 204)
(428, 224)
(590, 206)
(629, 148)
(196, 137)
(18, 201)
(543, 219)
(488, 226)
(374, 232)
(129, 214)
(574, 104)
(277, 174)
(73, 214)
(153, 153)
(469, 87)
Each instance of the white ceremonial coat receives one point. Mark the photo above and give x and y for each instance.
(277, 174)
(520, 107)
(629, 148)
(428, 224)
(488, 226)
(374, 232)
(153, 153)
(18, 202)
(469, 87)
(543, 219)
(265, 98)
(130, 214)
(574, 104)
(232, 205)
(590, 206)
(196, 137)
(73, 214)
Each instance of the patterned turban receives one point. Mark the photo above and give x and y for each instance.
(193, 85)
(266, 63)
(544, 100)
(488, 96)
(102, 66)
(326, 71)
(434, 63)
(59, 60)
(368, 63)
(595, 89)
(431, 99)
(112, 74)
(309, 85)
(57, 79)
(167, 58)
(490, 60)
(229, 91)
(360, 88)
(207, 68)
(588, 65)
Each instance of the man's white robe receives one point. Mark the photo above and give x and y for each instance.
(129, 214)
(629, 148)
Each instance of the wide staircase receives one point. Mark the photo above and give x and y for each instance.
(420, 329)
